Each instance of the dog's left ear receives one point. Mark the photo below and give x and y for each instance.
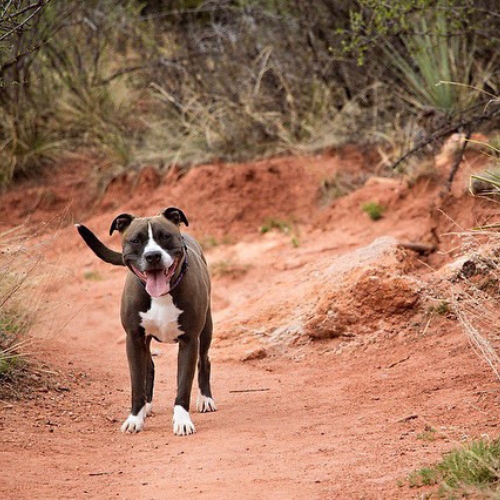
(175, 215)
(120, 223)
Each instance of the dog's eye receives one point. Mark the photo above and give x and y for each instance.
(165, 237)
(134, 241)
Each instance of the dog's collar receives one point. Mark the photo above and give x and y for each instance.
(183, 270)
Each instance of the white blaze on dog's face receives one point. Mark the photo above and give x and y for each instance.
(153, 246)
(157, 279)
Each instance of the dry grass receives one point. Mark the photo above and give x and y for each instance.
(340, 184)
(227, 81)
(21, 279)
(475, 294)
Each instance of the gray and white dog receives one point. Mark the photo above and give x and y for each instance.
(166, 297)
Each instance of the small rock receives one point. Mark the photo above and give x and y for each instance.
(259, 353)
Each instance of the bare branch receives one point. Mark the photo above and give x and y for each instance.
(38, 7)
(445, 131)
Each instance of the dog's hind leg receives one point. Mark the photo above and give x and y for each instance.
(137, 355)
(205, 401)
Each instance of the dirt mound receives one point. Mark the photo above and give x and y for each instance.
(368, 292)
(52, 201)
(357, 292)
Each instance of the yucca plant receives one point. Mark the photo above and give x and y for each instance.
(436, 67)
(489, 181)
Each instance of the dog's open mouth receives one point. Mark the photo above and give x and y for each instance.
(156, 281)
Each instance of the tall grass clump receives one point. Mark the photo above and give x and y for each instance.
(26, 104)
(18, 312)
(475, 290)
(13, 328)
(472, 471)
(65, 85)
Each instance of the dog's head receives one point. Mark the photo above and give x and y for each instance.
(152, 247)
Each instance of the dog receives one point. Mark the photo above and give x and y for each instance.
(167, 298)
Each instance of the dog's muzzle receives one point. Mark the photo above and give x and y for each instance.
(156, 281)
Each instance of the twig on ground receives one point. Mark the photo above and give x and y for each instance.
(250, 390)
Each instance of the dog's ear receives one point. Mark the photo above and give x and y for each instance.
(121, 223)
(175, 215)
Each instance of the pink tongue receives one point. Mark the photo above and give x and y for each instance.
(157, 284)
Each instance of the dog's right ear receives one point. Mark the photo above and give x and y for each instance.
(121, 223)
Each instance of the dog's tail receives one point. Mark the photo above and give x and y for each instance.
(98, 247)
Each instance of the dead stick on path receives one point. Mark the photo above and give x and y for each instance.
(392, 365)
(413, 416)
(250, 390)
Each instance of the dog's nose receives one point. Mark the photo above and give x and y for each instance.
(152, 257)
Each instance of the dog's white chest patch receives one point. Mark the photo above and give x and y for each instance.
(161, 321)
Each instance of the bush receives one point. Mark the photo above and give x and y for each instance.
(12, 332)
(473, 470)
(374, 210)
(188, 81)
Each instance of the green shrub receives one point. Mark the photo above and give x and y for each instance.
(472, 470)
(284, 227)
(280, 225)
(374, 210)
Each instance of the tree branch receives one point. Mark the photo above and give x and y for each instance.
(445, 131)
(38, 7)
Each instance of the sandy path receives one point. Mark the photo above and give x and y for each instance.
(310, 424)
(304, 422)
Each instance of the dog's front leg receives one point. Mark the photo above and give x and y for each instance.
(138, 359)
(188, 352)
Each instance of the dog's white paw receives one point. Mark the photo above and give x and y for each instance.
(182, 422)
(205, 404)
(134, 423)
(149, 409)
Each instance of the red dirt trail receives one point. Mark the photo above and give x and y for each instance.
(345, 417)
